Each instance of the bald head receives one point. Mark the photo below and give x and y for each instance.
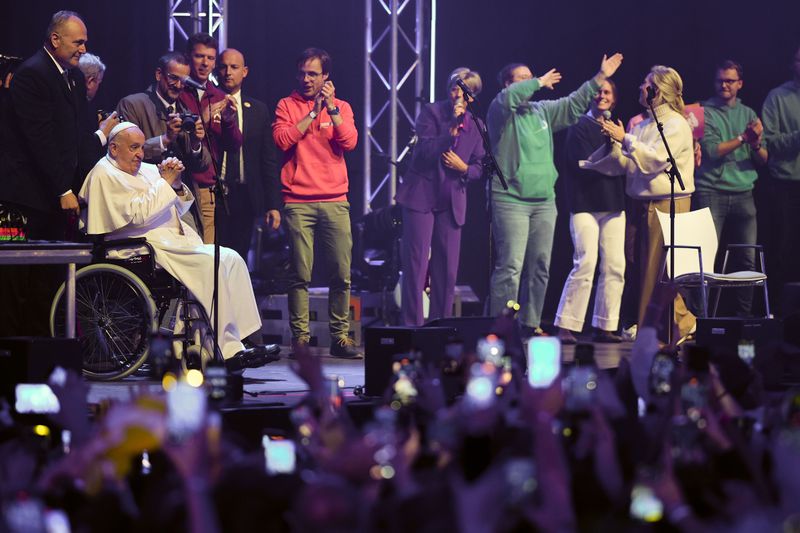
(231, 70)
(126, 148)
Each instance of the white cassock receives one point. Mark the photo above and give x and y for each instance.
(121, 205)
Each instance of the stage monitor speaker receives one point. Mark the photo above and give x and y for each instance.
(382, 344)
(32, 359)
(468, 328)
(722, 337)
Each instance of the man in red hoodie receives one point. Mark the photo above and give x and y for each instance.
(315, 129)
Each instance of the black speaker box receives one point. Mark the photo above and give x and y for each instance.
(725, 333)
(722, 336)
(468, 328)
(32, 359)
(382, 344)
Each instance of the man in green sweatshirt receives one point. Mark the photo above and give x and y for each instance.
(781, 114)
(524, 216)
(731, 143)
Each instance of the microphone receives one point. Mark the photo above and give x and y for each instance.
(459, 118)
(193, 84)
(465, 89)
(607, 116)
(651, 94)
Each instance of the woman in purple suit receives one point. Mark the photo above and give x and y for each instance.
(433, 193)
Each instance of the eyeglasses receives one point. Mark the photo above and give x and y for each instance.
(726, 82)
(310, 75)
(173, 78)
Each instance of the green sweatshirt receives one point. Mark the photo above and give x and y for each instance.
(781, 118)
(521, 132)
(733, 172)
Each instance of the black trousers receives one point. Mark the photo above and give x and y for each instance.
(236, 227)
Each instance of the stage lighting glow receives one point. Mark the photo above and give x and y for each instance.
(194, 378)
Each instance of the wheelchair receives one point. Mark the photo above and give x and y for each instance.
(124, 299)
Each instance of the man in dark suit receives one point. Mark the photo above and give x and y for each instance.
(47, 130)
(250, 173)
(157, 113)
(45, 139)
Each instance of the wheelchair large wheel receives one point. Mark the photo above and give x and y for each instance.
(115, 316)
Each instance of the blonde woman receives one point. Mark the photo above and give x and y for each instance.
(642, 156)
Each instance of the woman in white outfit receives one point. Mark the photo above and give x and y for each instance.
(641, 154)
(597, 225)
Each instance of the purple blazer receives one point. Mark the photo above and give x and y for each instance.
(428, 184)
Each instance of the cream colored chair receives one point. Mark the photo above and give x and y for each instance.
(695, 250)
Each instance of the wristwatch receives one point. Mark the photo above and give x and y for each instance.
(334, 111)
(740, 138)
(313, 114)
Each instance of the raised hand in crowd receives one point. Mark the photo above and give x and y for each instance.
(550, 78)
(608, 66)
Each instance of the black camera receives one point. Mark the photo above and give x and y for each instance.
(102, 114)
(188, 121)
(8, 65)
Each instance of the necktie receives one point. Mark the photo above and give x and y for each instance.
(170, 110)
(66, 79)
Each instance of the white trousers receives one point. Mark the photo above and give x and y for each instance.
(602, 232)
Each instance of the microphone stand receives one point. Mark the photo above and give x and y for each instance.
(674, 175)
(219, 192)
(490, 168)
(490, 165)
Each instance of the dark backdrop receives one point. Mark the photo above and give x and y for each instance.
(691, 36)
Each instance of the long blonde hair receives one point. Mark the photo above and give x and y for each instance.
(669, 85)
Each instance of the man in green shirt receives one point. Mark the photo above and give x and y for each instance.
(781, 113)
(524, 216)
(724, 182)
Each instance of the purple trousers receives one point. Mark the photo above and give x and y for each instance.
(434, 233)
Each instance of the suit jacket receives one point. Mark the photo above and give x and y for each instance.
(47, 132)
(428, 184)
(221, 136)
(147, 111)
(260, 156)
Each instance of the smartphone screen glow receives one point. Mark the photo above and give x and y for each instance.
(544, 361)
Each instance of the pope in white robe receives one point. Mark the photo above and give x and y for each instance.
(128, 198)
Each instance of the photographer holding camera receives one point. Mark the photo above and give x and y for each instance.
(169, 130)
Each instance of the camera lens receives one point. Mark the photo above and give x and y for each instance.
(188, 124)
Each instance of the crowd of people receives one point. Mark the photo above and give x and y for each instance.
(664, 443)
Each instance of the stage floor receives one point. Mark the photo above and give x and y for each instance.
(276, 384)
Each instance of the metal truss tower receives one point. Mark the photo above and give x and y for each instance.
(186, 17)
(395, 50)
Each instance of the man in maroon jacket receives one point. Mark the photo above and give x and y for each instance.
(218, 112)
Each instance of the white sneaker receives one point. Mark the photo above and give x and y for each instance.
(629, 334)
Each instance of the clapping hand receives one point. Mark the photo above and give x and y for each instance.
(452, 161)
(613, 130)
(752, 134)
(170, 169)
(328, 93)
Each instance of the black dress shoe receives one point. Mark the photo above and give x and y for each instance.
(254, 357)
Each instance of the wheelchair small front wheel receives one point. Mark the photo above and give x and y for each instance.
(115, 317)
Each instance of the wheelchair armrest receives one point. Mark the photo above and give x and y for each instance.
(101, 246)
